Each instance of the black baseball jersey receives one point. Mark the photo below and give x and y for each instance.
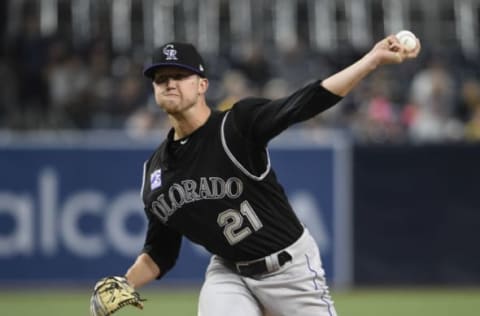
(216, 186)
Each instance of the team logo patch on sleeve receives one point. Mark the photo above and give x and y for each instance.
(156, 179)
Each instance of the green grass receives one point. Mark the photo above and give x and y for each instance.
(409, 302)
(364, 302)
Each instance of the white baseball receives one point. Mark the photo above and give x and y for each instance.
(407, 39)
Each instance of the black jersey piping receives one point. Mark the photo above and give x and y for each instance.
(236, 162)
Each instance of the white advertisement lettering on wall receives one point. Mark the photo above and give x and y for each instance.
(66, 214)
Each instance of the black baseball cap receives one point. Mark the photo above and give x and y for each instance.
(174, 54)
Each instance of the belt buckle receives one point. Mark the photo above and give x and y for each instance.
(259, 266)
(243, 267)
(239, 266)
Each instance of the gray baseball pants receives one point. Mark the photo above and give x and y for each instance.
(296, 288)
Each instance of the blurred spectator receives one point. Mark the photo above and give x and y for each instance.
(432, 95)
(433, 87)
(275, 88)
(235, 87)
(145, 119)
(28, 58)
(472, 128)
(297, 66)
(129, 97)
(470, 95)
(68, 82)
(8, 95)
(101, 85)
(254, 65)
(378, 119)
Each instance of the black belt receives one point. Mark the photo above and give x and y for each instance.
(258, 267)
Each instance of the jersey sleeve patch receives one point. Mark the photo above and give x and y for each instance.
(156, 179)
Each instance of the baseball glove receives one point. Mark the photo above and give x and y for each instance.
(112, 293)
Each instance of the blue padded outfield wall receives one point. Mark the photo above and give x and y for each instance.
(71, 213)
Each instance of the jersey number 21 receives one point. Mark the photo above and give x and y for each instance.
(232, 222)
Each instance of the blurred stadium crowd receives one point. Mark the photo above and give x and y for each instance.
(50, 81)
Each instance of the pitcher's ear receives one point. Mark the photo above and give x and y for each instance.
(203, 85)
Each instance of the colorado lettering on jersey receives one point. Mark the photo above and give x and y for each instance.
(188, 191)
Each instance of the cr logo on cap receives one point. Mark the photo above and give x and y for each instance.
(170, 52)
